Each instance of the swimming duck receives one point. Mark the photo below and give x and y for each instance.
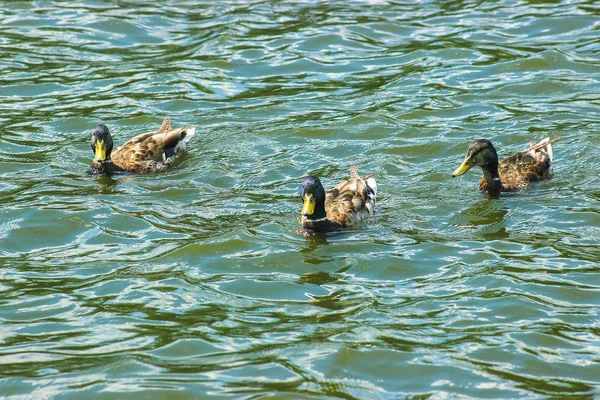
(148, 152)
(346, 203)
(514, 172)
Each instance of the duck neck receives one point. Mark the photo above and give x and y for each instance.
(319, 213)
(491, 179)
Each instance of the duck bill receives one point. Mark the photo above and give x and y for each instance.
(309, 204)
(100, 152)
(464, 167)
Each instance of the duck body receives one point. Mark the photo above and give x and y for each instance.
(148, 152)
(512, 173)
(347, 203)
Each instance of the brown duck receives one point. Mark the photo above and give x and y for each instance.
(345, 204)
(148, 152)
(512, 173)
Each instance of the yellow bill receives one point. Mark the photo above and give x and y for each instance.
(464, 167)
(309, 204)
(100, 153)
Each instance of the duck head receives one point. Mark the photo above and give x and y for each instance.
(481, 153)
(313, 196)
(102, 143)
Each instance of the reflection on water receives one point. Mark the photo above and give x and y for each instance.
(106, 183)
(315, 241)
(486, 217)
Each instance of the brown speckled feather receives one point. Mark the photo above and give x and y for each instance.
(345, 200)
(153, 151)
(524, 167)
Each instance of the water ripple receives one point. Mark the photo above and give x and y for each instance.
(194, 283)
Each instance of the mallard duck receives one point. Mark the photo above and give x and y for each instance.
(514, 172)
(148, 152)
(348, 202)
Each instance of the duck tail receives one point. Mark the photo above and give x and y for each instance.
(372, 184)
(176, 141)
(369, 180)
(372, 194)
(545, 145)
(189, 133)
(548, 148)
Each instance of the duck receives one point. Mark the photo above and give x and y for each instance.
(513, 173)
(347, 203)
(148, 152)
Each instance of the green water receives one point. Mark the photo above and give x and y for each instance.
(194, 284)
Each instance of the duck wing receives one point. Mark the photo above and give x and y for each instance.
(352, 200)
(524, 167)
(153, 151)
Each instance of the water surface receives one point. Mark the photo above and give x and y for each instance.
(194, 284)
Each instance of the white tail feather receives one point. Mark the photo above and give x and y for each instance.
(545, 145)
(548, 147)
(373, 185)
(182, 145)
(189, 133)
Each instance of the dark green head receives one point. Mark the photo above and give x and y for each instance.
(481, 153)
(313, 196)
(102, 143)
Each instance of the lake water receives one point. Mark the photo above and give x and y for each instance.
(193, 284)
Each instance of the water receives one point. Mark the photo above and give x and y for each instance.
(194, 284)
